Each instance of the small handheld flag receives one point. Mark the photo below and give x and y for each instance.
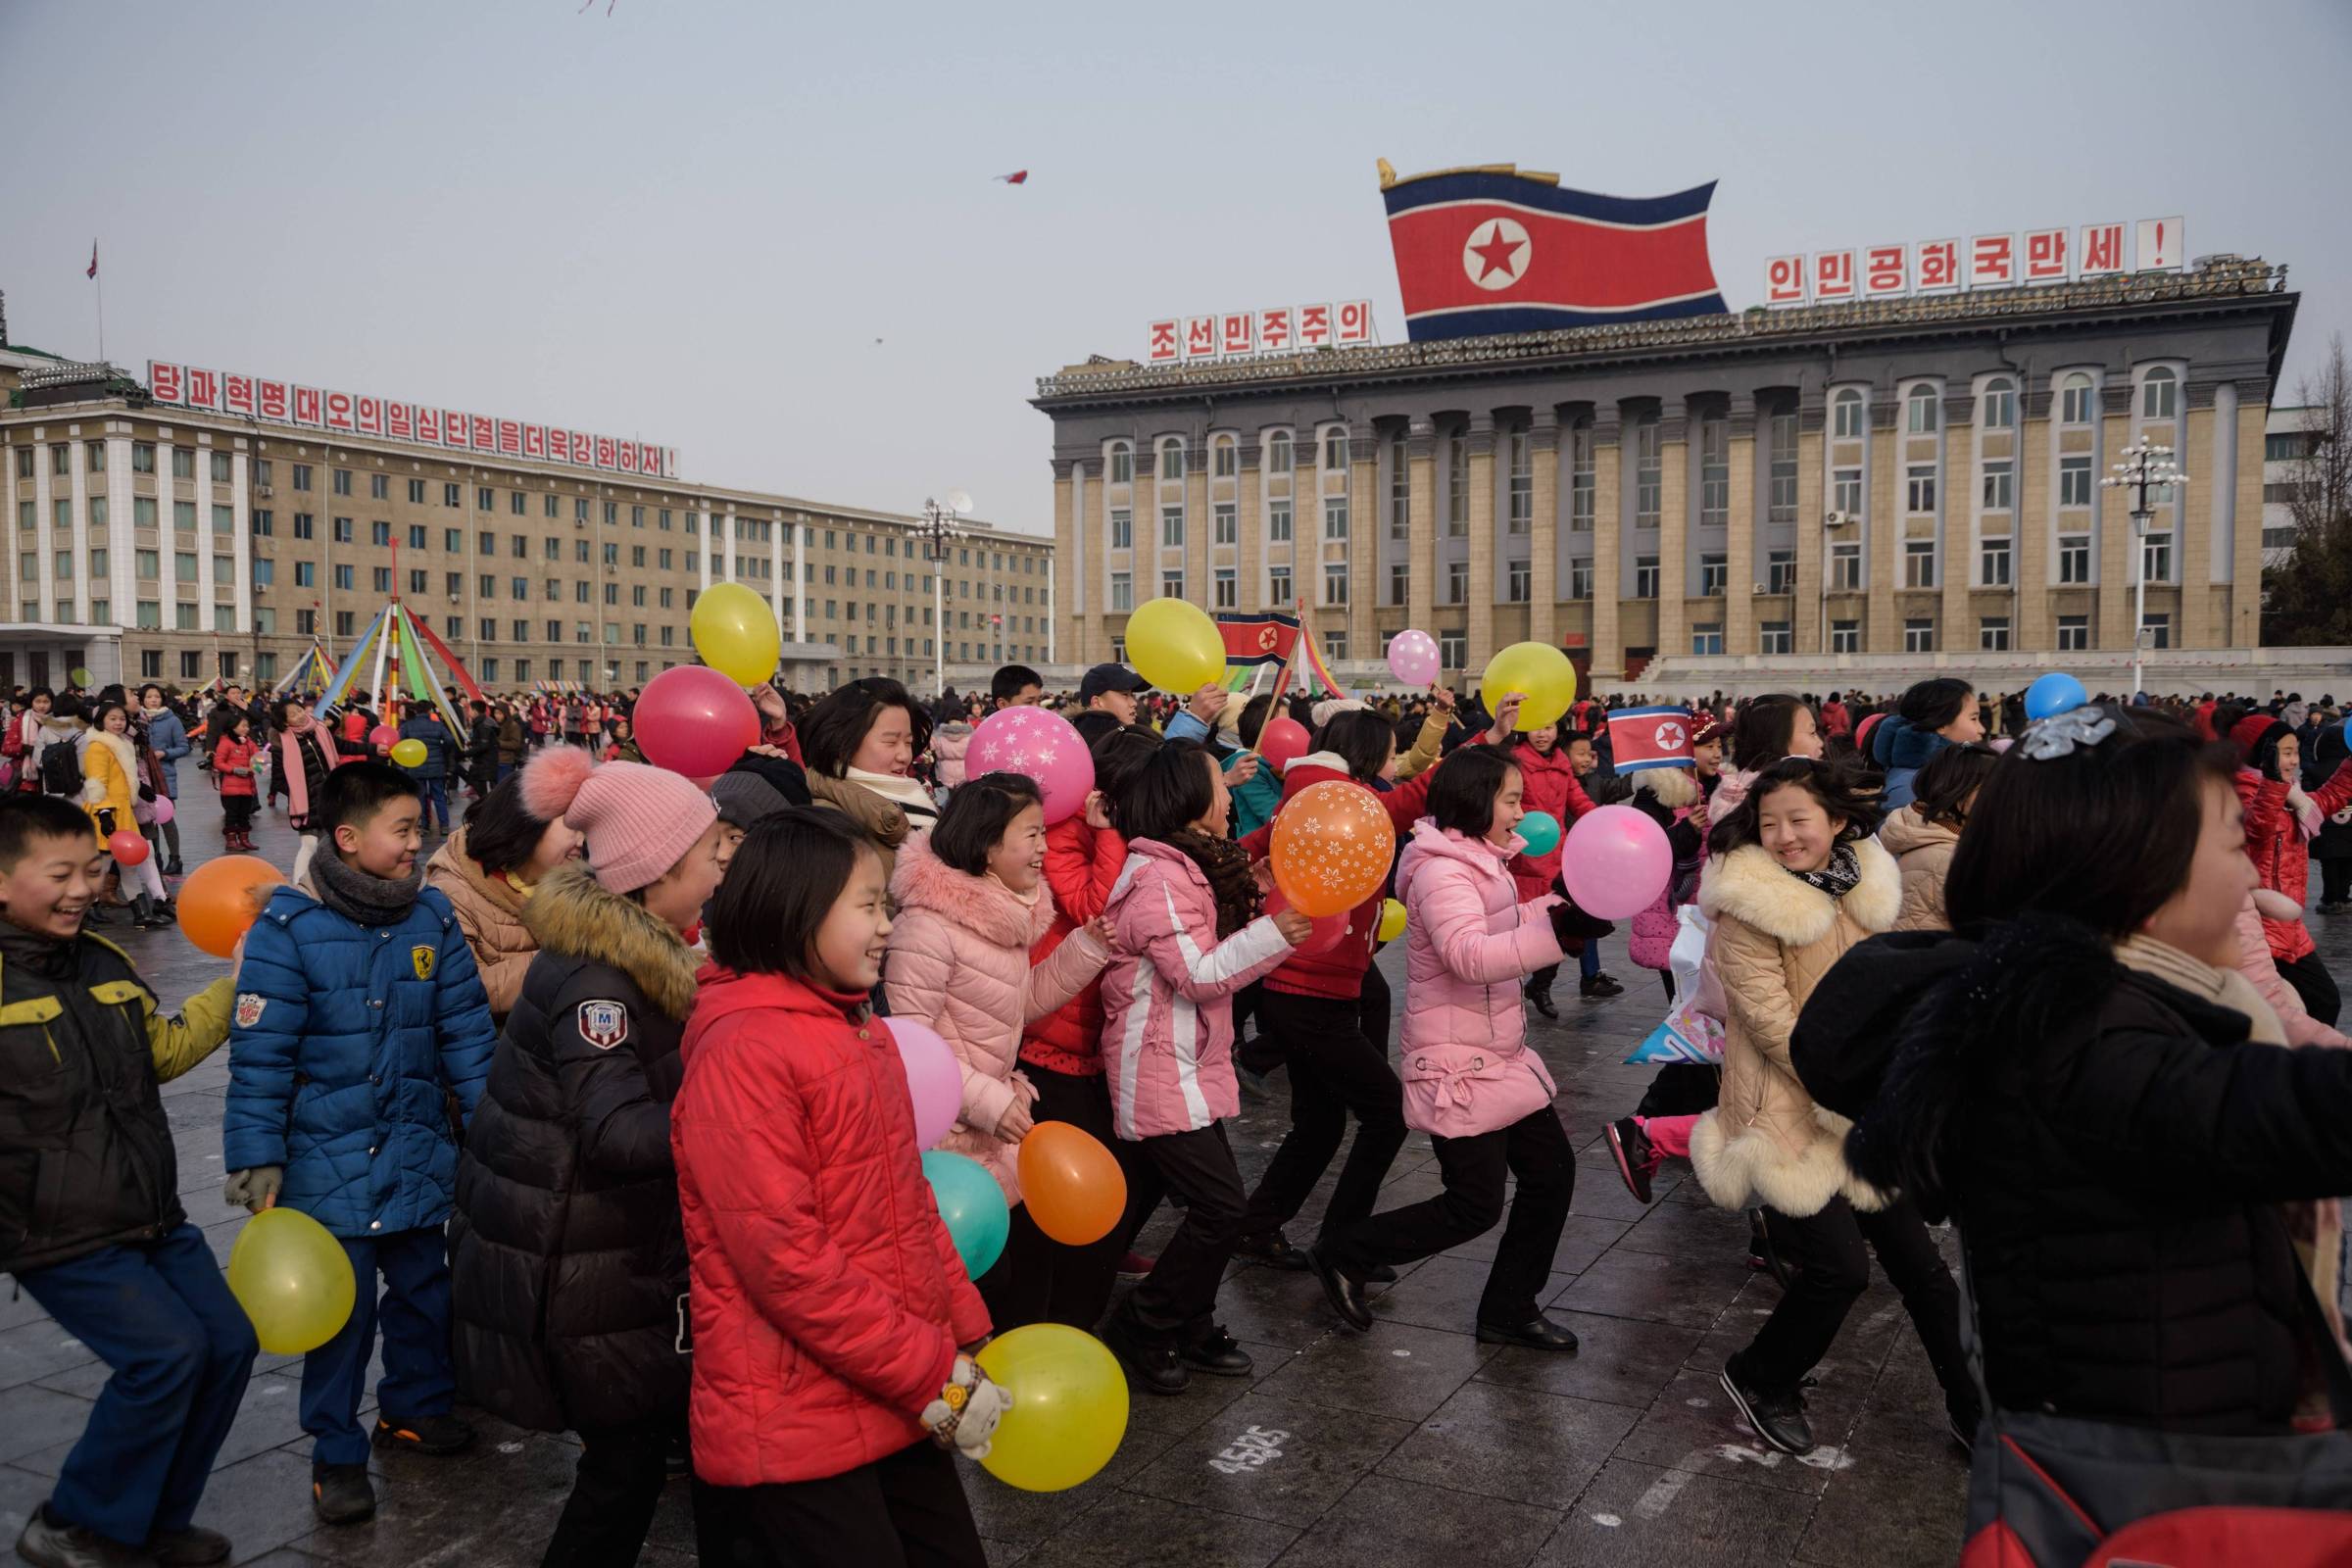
(1019, 176)
(1650, 737)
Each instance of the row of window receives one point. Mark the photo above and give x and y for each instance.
(1919, 635)
(227, 664)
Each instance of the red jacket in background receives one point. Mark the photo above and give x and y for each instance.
(1082, 865)
(1551, 786)
(783, 737)
(2281, 849)
(1338, 970)
(232, 765)
(827, 1300)
(1835, 721)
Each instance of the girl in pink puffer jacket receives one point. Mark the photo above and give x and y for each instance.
(1470, 1080)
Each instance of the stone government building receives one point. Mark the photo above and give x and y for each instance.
(1883, 486)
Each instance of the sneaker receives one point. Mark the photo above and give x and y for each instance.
(1219, 1354)
(1636, 1156)
(1539, 998)
(1135, 1267)
(1605, 985)
(342, 1494)
(45, 1544)
(190, 1546)
(1271, 1248)
(425, 1434)
(1154, 1363)
(1778, 1418)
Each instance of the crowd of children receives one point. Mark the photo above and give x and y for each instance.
(604, 1110)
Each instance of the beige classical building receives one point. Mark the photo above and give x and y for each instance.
(164, 543)
(1889, 484)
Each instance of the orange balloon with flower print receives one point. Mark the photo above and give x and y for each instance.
(1333, 843)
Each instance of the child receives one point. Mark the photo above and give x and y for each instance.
(307, 756)
(827, 1300)
(110, 786)
(624, 747)
(1555, 784)
(971, 904)
(1470, 1081)
(232, 773)
(359, 1014)
(566, 1258)
(1795, 881)
(90, 1220)
(1184, 917)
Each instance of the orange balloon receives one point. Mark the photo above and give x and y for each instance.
(221, 900)
(1073, 1186)
(1333, 843)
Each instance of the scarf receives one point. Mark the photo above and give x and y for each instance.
(1839, 877)
(1226, 865)
(360, 896)
(900, 790)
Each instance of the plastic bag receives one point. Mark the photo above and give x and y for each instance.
(1686, 1033)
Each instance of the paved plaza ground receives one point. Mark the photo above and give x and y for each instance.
(1411, 1445)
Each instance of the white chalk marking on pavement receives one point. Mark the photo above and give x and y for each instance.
(510, 1447)
(1741, 1453)
(1696, 1402)
(1608, 1521)
(1828, 1457)
(1660, 1495)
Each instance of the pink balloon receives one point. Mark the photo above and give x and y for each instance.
(384, 735)
(1040, 744)
(164, 811)
(1413, 658)
(696, 721)
(933, 1078)
(1282, 741)
(1615, 862)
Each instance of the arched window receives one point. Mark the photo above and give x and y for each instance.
(1171, 458)
(2073, 399)
(2000, 404)
(1224, 457)
(1122, 462)
(1846, 424)
(1278, 451)
(1919, 410)
(2159, 394)
(1335, 447)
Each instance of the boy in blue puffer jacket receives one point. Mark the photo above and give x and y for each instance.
(358, 1017)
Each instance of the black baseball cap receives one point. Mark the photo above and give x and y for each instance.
(1110, 678)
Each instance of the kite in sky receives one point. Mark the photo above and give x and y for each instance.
(1019, 176)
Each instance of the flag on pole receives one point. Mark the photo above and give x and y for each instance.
(93, 272)
(1019, 176)
(1650, 737)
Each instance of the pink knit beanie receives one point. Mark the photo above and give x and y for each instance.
(639, 821)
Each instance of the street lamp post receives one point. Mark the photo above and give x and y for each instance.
(2145, 466)
(939, 526)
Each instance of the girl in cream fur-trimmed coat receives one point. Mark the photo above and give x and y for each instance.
(1795, 880)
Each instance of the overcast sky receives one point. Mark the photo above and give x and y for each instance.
(766, 234)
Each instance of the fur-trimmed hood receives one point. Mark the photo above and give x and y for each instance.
(921, 880)
(572, 915)
(1752, 885)
(1670, 787)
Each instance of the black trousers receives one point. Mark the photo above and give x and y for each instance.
(1828, 1247)
(2316, 986)
(1536, 1149)
(1177, 1301)
(613, 1495)
(1039, 1280)
(1338, 1052)
(2335, 880)
(1681, 1089)
(903, 1511)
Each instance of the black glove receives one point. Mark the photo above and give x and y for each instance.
(106, 822)
(1572, 924)
(147, 793)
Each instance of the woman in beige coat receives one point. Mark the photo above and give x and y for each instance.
(488, 869)
(1796, 880)
(1923, 835)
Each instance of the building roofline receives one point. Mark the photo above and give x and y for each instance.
(2224, 282)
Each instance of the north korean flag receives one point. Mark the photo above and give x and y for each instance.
(1482, 252)
(1650, 736)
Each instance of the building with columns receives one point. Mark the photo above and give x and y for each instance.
(1888, 486)
(168, 544)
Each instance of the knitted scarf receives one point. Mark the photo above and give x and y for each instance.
(1226, 865)
(363, 897)
(1837, 878)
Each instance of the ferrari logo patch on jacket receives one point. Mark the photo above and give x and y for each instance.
(420, 959)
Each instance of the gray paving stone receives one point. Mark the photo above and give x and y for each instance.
(1641, 1516)
(1619, 1360)
(1312, 1454)
(1386, 1523)
(1127, 1531)
(1507, 1442)
(1685, 1289)
(1397, 1370)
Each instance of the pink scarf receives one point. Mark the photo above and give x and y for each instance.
(298, 780)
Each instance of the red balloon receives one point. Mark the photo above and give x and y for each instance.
(1283, 739)
(127, 848)
(696, 721)
(384, 735)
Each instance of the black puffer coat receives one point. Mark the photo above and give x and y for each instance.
(568, 1253)
(2114, 1150)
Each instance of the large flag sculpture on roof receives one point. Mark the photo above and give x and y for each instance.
(1490, 249)
(405, 641)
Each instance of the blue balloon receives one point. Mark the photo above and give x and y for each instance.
(2054, 693)
(973, 1207)
(1541, 831)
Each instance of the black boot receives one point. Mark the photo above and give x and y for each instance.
(142, 912)
(1539, 997)
(1219, 1354)
(1271, 1246)
(1152, 1362)
(1345, 1294)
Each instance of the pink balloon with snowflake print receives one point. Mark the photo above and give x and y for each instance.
(1038, 744)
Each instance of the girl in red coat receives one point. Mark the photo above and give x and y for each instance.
(1553, 786)
(2281, 823)
(233, 771)
(827, 1301)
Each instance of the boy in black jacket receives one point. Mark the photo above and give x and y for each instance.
(90, 1221)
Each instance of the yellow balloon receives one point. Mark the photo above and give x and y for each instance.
(1392, 919)
(735, 632)
(1069, 1406)
(1174, 645)
(1540, 673)
(408, 753)
(293, 1279)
